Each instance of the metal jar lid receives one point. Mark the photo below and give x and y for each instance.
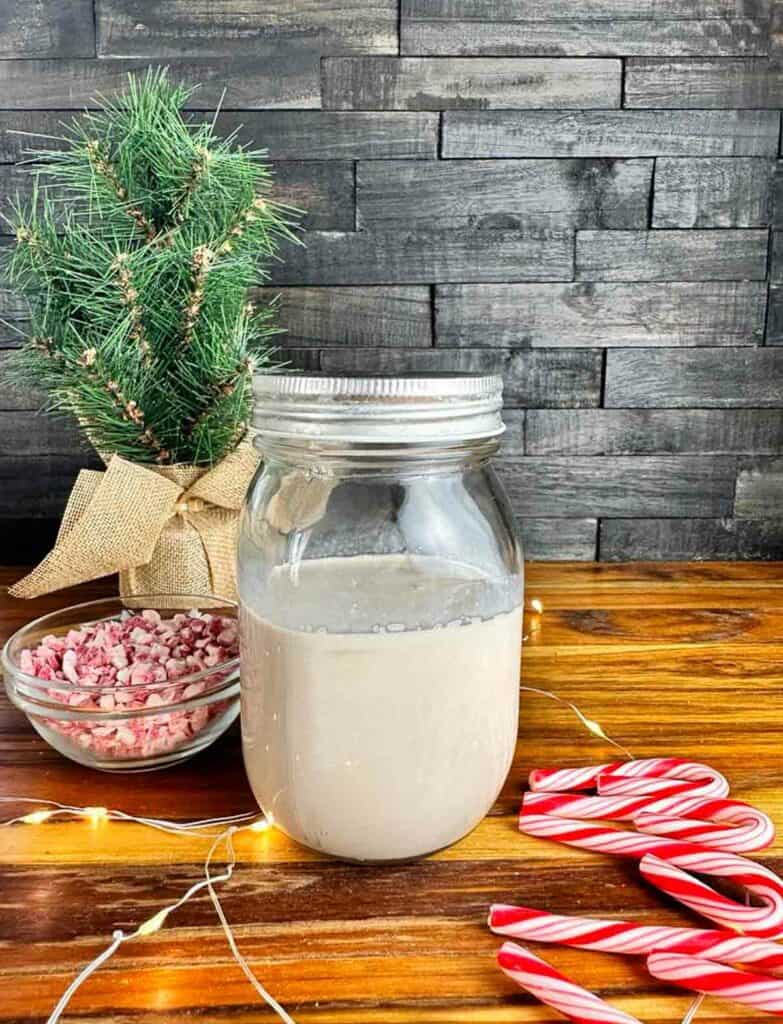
(417, 408)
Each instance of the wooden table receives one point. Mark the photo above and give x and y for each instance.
(670, 659)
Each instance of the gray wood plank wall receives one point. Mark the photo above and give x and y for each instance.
(583, 195)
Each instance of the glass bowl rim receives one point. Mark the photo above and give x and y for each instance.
(13, 673)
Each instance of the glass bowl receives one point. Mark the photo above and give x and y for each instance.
(127, 726)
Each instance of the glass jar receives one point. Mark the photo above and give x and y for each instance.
(380, 586)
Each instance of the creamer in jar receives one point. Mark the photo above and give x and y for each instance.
(381, 596)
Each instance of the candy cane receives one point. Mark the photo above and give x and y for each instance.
(640, 791)
(620, 774)
(608, 936)
(748, 828)
(685, 823)
(554, 989)
(700, 976)
(660, 859)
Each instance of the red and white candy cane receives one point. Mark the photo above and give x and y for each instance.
(685, 823)
(554, 989)
(722, 824)
(631, 939)
(611, 778)
(666, 858)
(716, 980)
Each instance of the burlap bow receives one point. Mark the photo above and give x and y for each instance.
(166, 530)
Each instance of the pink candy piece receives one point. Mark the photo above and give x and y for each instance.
(122, 665)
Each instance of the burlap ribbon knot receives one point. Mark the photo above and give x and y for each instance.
(165, 529)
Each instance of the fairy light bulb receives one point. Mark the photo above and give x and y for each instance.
(261, 825)
(537, 606)
(95, 814)
(153, 924)
(35, 817)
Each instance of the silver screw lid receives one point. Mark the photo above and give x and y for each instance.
(416, 408)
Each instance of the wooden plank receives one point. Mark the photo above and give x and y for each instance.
(650, 539)
(285, 134)
(702, 82)
(14, 314)
(589, 10)
(46, 28)
(777, 195)
(695, 192)
(640, 598)
(511, 194)
(601, 315)
(264, 914)
(17, 183)
(334, 135)
(201, 28)
(414, 83)
(24, 130)
(775, 316)
(414, 257)
(759, 488)
(607, 628)
(39, 484)
(12, 305)
(704, 580)
(776, 258)
(658, 485)
(512, 442)
(307, 359)
(611, 133)
(364, 317)
(324, 191)
(558, 540)
(33, 433)
(531, 377)
(248, 83)
(15, 398)
(671, 255)
(653, 431)
(709, 378)
(580, 37)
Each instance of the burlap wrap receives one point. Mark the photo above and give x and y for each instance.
(165, 529)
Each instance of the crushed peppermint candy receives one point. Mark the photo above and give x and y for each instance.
(129, 665)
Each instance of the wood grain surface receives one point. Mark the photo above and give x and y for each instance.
(669, 658)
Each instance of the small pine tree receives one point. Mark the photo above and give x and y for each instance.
(136, 254)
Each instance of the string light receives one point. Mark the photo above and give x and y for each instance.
(35, 817)
(592, 727)
(154, 924)
(537, 606)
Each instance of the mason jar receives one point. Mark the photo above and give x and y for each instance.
(380, 584)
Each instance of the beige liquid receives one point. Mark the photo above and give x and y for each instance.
(378, 745)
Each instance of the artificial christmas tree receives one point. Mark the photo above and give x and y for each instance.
(136, 255)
